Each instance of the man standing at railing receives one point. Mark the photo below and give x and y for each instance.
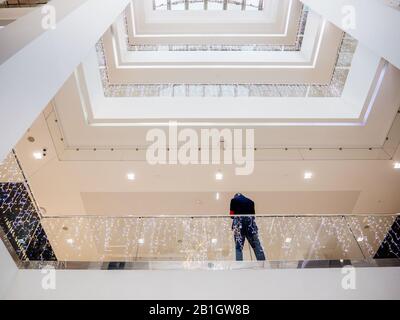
(244, 226)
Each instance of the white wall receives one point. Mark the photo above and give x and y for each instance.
(371, 283)
(8, 270)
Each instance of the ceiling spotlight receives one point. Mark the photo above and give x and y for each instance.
(308, 175)
(141, 241)
(288, 240)
(131, 176)
(217, 196)
(38, 155)
(219, 176)
(397, 165)
(70, 241)
(214, 241)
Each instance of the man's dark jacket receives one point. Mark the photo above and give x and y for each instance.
(240, 205)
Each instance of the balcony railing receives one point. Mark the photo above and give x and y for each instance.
(210, 238)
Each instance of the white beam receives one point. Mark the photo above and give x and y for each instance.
(376, 24)
(35, 62)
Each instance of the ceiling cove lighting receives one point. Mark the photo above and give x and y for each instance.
(131, 176)
(38, 155)
(397, 165)
(219, 176)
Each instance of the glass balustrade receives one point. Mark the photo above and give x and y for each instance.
(210, 238)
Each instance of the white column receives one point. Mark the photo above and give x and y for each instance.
(35, 62)
(376, 25)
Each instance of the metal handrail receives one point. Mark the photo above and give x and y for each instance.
(166, 216)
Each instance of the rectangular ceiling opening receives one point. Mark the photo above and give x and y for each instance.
(179, 5)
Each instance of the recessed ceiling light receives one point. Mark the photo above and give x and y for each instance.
(219, 176)
(38, 155)
(70, 241)
(214, 241)
(359, 239)
(217, 196)
(141, 241)
(288, 240)
(397, 165)
(131, 176)
(308, 175)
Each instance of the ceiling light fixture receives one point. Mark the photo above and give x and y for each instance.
(360, 239)
(38, 155)
(308, 175)
(141, 241)
(70, 241)
(396, 165)
(288, 240)
(217, 196)
(214, 241)
(131, 176)
(219, 176)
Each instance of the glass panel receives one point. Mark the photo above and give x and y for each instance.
(370, 231)
(284, 238)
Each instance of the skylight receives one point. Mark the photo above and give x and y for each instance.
(178, 5)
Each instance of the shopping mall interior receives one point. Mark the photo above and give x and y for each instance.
(127, 126)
